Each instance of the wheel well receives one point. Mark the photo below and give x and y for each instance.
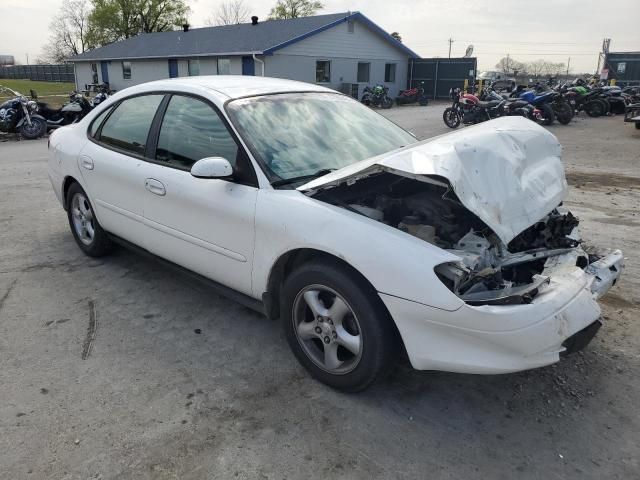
(65, 188)
(286, 264)
(291, 260)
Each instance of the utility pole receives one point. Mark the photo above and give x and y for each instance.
(450, 42)
(27, 59)
(568, 63)
(506, 68)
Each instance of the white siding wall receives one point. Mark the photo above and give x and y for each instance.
(344, 50)
(148, 70)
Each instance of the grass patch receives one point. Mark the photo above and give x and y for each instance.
(47, 91)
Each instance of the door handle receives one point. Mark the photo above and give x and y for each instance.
(155, 186)
(86, 162)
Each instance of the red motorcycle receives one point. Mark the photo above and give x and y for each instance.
(412, 95)
(469, 110)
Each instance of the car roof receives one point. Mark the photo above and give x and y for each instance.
(231, 86)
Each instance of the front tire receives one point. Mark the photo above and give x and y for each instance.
(37, 129)
(337, 326)
(451, 117)
(86, 230)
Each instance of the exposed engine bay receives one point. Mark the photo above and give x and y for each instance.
(489, 272)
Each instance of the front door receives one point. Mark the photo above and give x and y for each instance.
(173, 68)
(248, 66)
(104, 69)
(112, 167)
(205, 225)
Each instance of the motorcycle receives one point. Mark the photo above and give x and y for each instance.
(71, 112)
(617, 100)
(377, 96)
(543, 113)
(19, 115)
(469, 109)
(509, 106)
(412, 95)
(581, 98)
(101, 96)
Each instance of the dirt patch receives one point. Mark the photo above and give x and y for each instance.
(601, 180)
(615, 301)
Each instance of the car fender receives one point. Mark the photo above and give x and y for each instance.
(394, 262)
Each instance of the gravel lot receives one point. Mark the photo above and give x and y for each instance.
(180, 383)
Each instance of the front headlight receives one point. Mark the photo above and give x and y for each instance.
(32, 106)
(452, 274)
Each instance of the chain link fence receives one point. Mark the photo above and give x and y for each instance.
(42, 73)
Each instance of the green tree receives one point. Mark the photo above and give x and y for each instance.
(294, 9)
(113, 20)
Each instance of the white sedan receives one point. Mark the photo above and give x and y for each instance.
(302, 203)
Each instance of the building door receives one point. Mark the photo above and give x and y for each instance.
(173, 68)
(248, 67)
(104, 69)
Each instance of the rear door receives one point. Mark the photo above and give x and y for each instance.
(205, 225)
(111, 165)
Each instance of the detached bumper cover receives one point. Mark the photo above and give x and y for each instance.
(493, 339)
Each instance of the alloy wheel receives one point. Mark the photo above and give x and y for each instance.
(327, 329)
(83, 219)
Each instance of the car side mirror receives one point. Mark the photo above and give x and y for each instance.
(212, 167)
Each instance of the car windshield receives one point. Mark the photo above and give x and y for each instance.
(298, 136)
(486, 75)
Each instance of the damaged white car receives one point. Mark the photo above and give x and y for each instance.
(305, 205)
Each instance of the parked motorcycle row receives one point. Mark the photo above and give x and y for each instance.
(378, 96)
(31, 119)
(541, 103)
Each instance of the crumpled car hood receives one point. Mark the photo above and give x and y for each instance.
(507, 171)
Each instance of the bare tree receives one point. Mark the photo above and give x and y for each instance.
(537, 68)
(230, 13)
(509, 66)
(69, 30)
(294, 8)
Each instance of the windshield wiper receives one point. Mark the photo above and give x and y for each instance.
(288, 181)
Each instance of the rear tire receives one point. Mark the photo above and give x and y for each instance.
(563, 112)
(451, 118)
(596, 108)
(86, 230)
(337, 326)
(547, 116)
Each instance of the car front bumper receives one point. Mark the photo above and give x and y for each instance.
(492, 339)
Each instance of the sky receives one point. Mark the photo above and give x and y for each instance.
(550, 29)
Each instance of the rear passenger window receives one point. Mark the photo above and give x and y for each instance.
(95, 125)
(192, 130)
(128, 126)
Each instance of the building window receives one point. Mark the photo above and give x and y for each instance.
(224, 66)
(351, 26)
(390, 72)
(94, 73)
(126, 70)
(363, 72)
(622, 67)
(193, 67)
(323, 71)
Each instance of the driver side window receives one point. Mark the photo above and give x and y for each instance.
(191, 130)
